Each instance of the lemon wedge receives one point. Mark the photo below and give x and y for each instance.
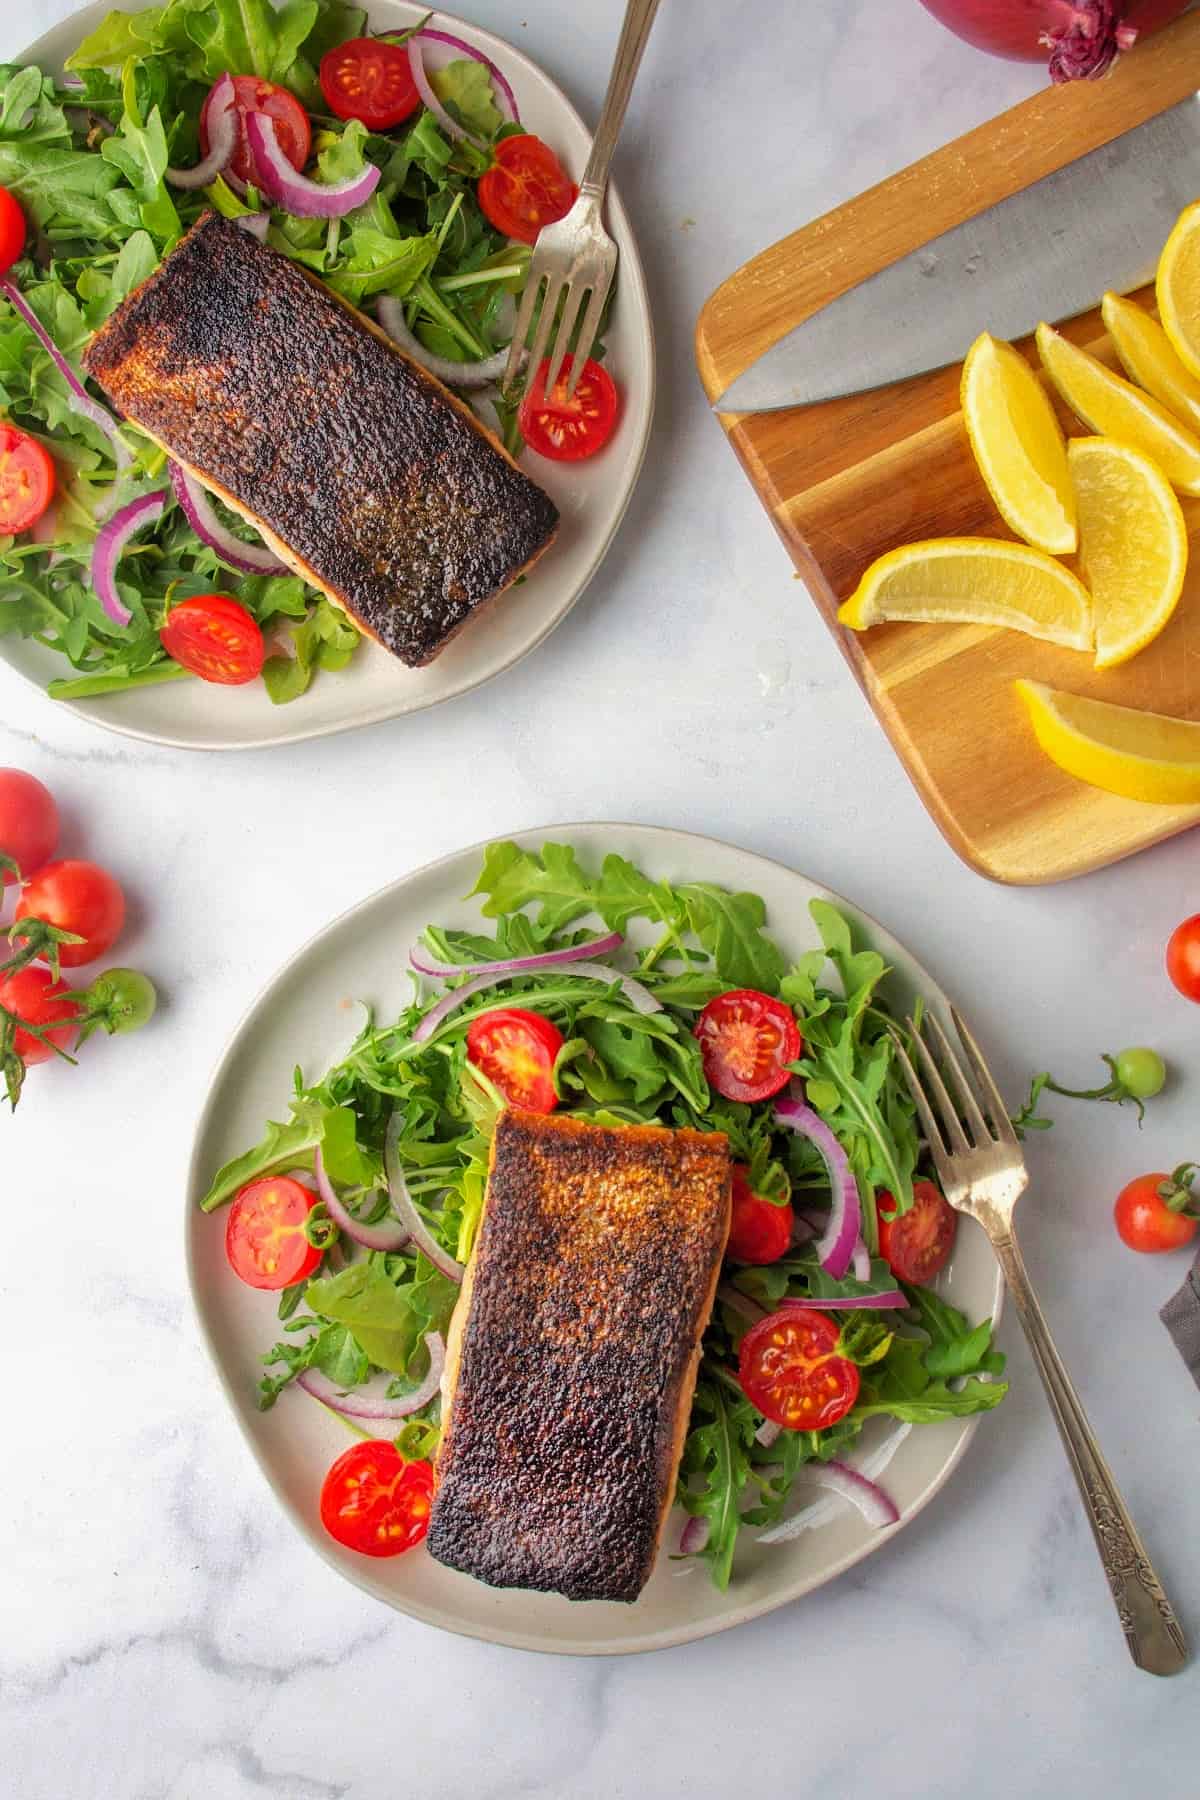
(1150, 359)
(1177, 287)
(1113, 406)
(1018, 445)
(1140, 755)
(1133, 544)
(974, 581)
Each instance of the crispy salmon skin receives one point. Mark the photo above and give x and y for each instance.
(371, 479)
(573, 1353)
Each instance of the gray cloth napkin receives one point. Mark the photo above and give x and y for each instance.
(1181, 1316)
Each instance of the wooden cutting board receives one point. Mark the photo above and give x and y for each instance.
(846, 480)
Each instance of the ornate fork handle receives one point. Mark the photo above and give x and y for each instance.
(1152, 1631)
(639, 17)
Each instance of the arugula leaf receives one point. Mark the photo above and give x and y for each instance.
(730, 926)
(345, 1162)
(118, 36)
(281, 1147)
(251, 37)
(465, 89)
(378, 263)
(324, 640)
(714, 1470)
(388, 1319)
(61, 189)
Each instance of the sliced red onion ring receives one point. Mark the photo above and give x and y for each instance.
(106, 552)
(876, 1507)
(253, 559)
(740, 1303)
(767, 1433)
(819, 1512)
(371, 1401)
(424, 964)
(389, 1234)
(221, 123)
(460, 44)
(257, 224)
(639, 997)
(891, 1300)
(835, 1247)
(294, 192)
(861, 1261)
(81, 401)
(444, 368)
(416, 63)
(405, 1210)
(694, 1536)
(484, 408)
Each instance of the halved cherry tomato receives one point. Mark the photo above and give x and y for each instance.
(746, 1038)
(80, 897)
(790, 1369)
(369, 79)
(1151, 1214)
(28, 824)
(525, 188)
(374, 1502)
(216, 638)
(760, 1231)
(12, 230)
(27, 479)
(1183, 957)
(516, 1051)
(290, 119)
(568, 430)
(264, 1234)
(33, 994)
(917, 1245)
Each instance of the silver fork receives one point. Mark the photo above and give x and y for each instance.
(983, 1175)
(576, 257)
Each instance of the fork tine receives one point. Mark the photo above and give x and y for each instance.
(588, 330)
(554, 288)
(963, 1088)
(570, 312)
(512, 367)
(993, 1100)
(952, 1131)
(937, 1148)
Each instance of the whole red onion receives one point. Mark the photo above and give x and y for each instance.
(1082, 37)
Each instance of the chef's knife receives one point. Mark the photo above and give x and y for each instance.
(1048, 252)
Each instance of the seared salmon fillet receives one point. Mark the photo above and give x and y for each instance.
(573, 1352)
(367, 476)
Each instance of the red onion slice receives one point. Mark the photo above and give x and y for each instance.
(405, 1210)
(221, 123)
(294, 192)
(416, 63)
(835, 1246)
(424, 964)
(639, 997)
(252, 559)
(257, 224)
(460, 44)
(767, 1433)
(106, 552)
(389, 1234)
(694, 1536)
(819, 1512)
(876, 1507)
(81, 401)
(443, 368)
(891, 1300)
(861, 1261)
(371, 1401)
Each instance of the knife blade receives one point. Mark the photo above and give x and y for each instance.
(1048, 252)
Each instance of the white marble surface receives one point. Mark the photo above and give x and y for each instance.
(166, 1637)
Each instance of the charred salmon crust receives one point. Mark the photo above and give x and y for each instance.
(383, 488)
(573, 1353)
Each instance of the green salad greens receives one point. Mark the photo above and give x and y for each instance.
(87, 155)
(369, 1311)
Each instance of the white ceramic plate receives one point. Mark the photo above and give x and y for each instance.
(591, 496)
(305, 1016)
